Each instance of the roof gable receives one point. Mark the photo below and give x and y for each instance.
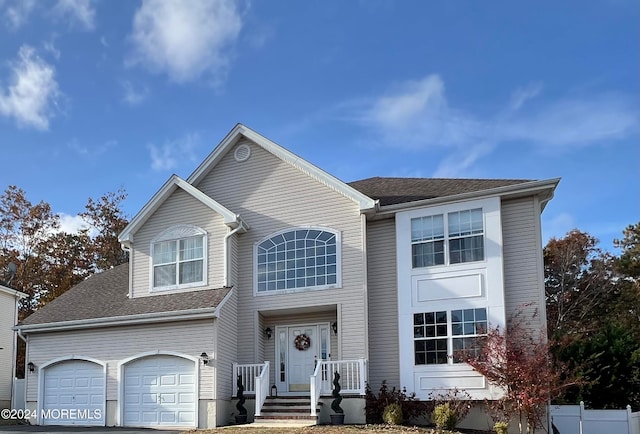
(229, 218)
(239, 131)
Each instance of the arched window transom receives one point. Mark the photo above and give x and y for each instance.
(299, 258)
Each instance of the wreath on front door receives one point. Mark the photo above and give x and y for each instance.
(302, 342)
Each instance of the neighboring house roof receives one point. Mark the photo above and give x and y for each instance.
(230, 218)
(393, 191)
(239, 131)
(105, 295)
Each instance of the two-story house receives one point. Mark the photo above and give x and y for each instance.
(262, 266)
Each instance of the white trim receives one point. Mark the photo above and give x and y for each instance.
(209, 312)
(41, 375)
(336, 285)
(365, 203)
(120, 381)
(489, 294)
(13, 292)
(229, 218)
(318, 326)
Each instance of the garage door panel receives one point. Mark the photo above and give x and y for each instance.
(160, 390)
(74, 387)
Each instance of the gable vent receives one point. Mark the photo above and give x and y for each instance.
(242, 153)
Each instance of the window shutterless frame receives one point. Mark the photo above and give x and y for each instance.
(298, 259)
(178, 258)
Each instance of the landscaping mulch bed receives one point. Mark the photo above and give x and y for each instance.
(335, 429)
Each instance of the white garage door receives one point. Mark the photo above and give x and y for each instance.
(74, 393)
(160, 391)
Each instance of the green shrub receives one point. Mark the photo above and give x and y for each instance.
(392, 414)
(501, 427)
(445, 417)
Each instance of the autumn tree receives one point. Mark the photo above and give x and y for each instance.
(106, 220)
(517, 359)
(578, 282)
(593, 305)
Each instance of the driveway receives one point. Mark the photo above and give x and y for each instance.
(84, 429)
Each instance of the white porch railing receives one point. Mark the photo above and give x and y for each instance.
(352, 376)
(262, 388)
(316, 386)
(249, 373)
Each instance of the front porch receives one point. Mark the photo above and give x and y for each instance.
(302, 406)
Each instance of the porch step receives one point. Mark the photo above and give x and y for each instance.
(287, 410)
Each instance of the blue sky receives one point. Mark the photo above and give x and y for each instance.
(98, 95)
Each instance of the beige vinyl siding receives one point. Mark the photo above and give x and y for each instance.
(114, 344)
(522, 260)
(227, 346)
(179, 208)
(7, 337)
(271, 195)
(383, 304)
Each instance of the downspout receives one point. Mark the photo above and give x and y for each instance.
(227, 265)
(126, 246)
(14, 352)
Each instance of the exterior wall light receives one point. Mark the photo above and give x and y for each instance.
(31, 367)
(205, 358)
(268, 332)
(334, 326)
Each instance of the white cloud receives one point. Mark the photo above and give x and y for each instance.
(91, 151)
(50, 47)
(557, 226)
(523, 94)
(574, 122)
(133, 95)
(185, 40)
(77, 12)
(171, 154)
(17, 12)
(417, 115)
(32, 91)
(72, 224)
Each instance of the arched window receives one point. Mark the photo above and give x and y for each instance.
(298, 258)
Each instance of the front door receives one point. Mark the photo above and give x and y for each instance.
(298, 348)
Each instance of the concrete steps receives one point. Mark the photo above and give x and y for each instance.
(287, 410)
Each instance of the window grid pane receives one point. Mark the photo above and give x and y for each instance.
(467, 326)
(462, 242)
(430, 338)
(297, 259)
(178, 262)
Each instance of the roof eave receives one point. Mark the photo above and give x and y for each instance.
(13, 292)
(544, 188)
(229, 218)
(192, 314)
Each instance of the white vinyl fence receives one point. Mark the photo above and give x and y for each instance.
(575, 419)
(17, 397)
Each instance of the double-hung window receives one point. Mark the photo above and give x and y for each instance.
(179, 262)
(462, 241)
(440, 336)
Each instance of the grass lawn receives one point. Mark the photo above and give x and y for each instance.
(332, 429)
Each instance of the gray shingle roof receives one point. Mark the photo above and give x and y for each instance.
(105, 295)
(392, 191)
